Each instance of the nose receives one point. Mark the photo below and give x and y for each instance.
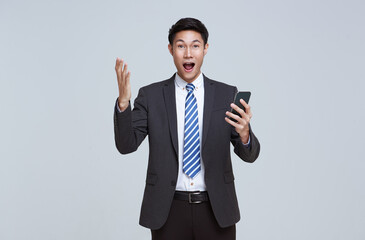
(187, 53)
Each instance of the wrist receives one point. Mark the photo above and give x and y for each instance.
(123, 104)
(245, 137)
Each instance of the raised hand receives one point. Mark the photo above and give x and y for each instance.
(124, 85)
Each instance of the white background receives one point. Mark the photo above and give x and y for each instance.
(61, 176)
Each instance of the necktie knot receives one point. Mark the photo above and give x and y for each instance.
(190, 87)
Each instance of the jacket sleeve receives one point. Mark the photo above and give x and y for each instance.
(247, 153)
(130, 126)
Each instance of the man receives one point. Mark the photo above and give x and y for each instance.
(190, 192)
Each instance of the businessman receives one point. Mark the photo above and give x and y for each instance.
(190, 191)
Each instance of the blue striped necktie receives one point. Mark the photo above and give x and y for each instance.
(191, 159)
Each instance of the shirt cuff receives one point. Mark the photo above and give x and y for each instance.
(118, 108)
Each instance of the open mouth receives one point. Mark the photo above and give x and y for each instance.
(188, 66)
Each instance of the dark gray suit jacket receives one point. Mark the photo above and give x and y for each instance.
(154, 114)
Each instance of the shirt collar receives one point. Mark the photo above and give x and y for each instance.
(198, 82)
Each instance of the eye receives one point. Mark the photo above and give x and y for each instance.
(180, 46)
(196, 46)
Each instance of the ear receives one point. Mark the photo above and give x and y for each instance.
(170, 48)
(206, 48)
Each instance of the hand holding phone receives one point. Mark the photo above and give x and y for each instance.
(240, 95)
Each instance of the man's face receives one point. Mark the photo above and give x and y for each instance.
(188, 51)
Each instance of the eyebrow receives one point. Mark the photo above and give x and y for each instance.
(180, 40)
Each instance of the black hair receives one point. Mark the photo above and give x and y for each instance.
(188, 24)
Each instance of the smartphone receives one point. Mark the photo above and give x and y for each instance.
(240, 95)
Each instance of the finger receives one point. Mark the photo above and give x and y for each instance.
(118, 68)
(234, 124)
(237, 126)
(240, 120)
(243, 102)
(120, 63)
(247, 108)
(125, 70)
(128, 77)
(117, 62)
(234, 116)
(238, 109)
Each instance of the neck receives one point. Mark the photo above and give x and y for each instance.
(189, 81)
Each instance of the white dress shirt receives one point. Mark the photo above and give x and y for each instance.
(185, 183)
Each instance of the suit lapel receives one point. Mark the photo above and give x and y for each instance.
(209, 91)
(170, 103)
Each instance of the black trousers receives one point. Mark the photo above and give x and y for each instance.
(188, 221)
